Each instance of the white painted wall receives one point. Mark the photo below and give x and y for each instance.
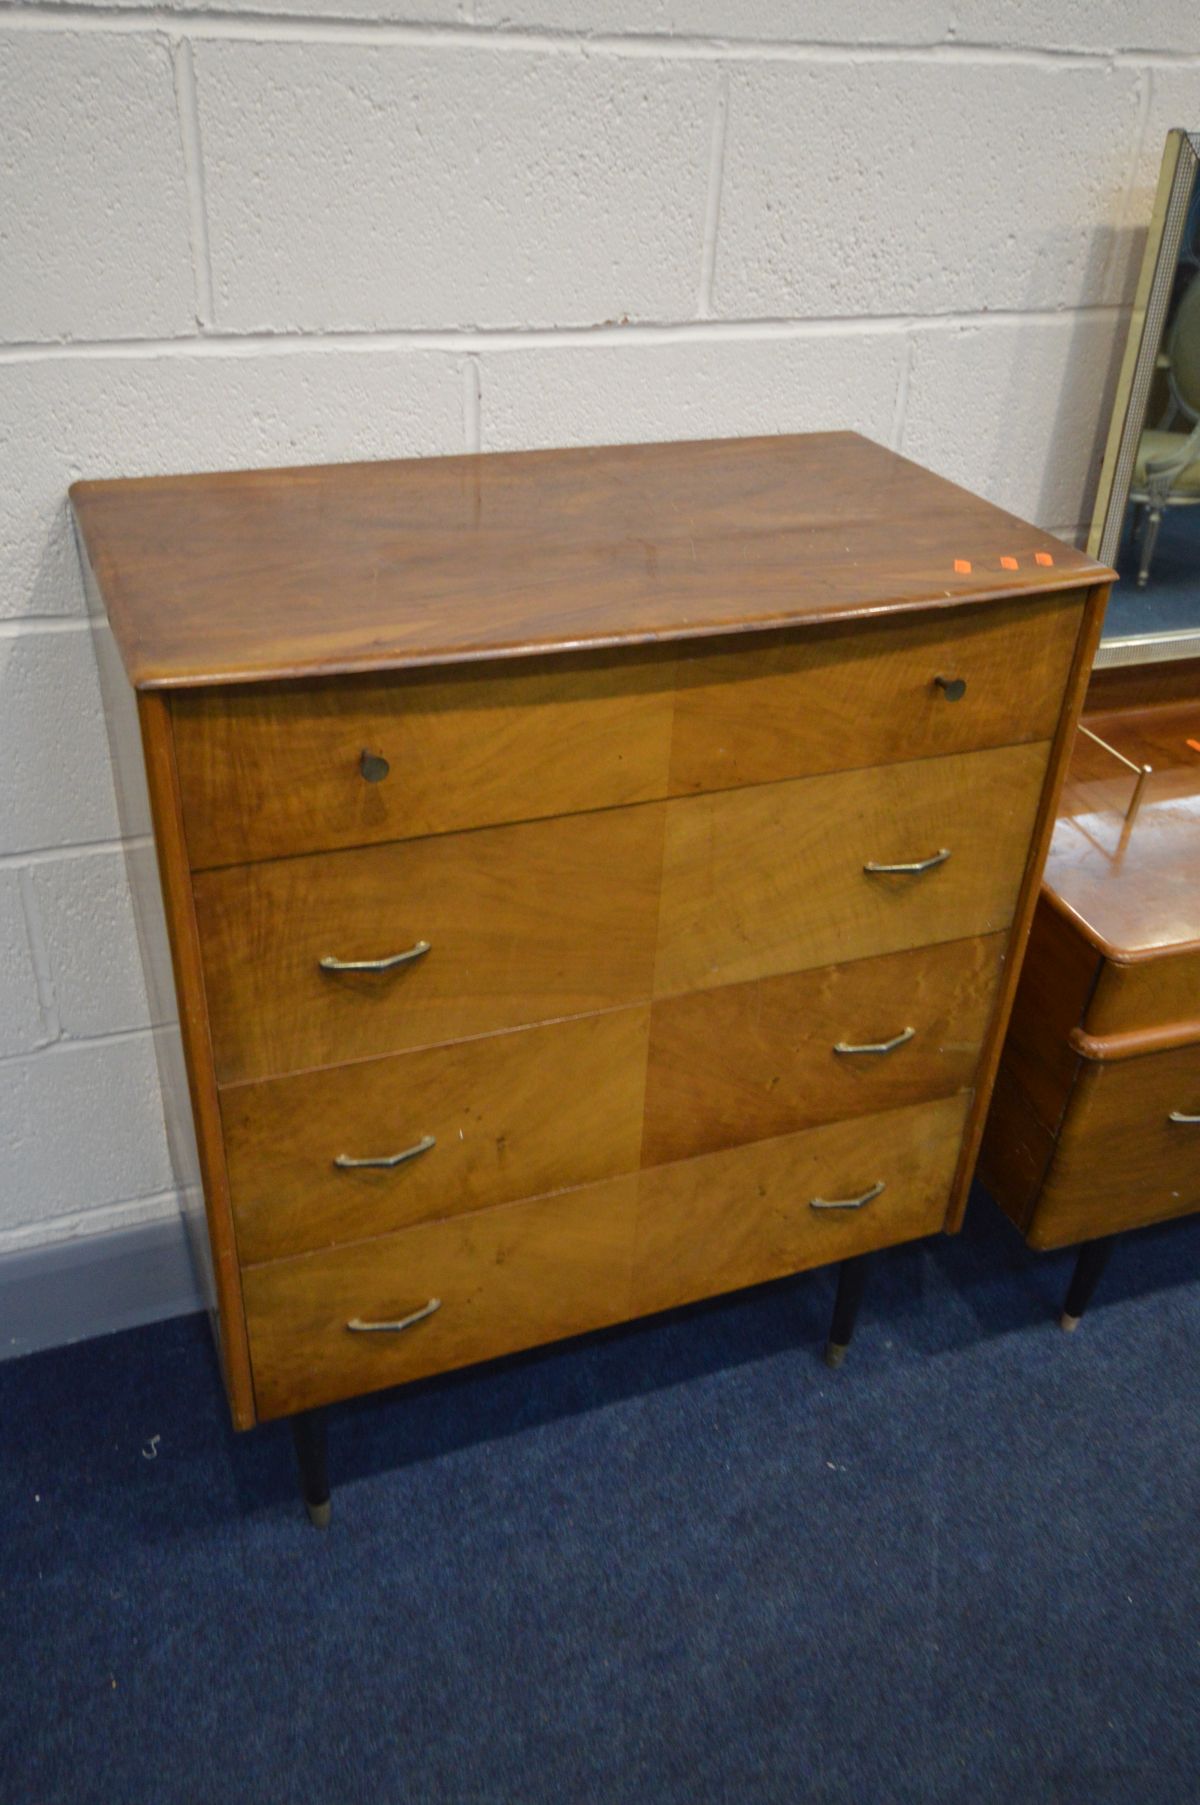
(296, 230)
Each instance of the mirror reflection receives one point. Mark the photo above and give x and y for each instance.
(1148, 509)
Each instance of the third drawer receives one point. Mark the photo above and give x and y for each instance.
(451, 1129)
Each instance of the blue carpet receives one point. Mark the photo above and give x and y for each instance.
(676, 1562)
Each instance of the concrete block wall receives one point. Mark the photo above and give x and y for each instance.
(271, 231)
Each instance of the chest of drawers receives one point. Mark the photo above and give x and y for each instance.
(1095, 1121)
(594, 880)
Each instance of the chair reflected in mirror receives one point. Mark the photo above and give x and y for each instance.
(1166, 472)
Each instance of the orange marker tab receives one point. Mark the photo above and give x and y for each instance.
(1008, 563)
(962, 566)
(1042, 558)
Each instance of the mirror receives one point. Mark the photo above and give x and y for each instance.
(1147, 518)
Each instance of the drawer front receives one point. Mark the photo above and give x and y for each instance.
(1153, 993)
(510, 1116)
(750, 1062)
(270, 771)
(772, 879)
(548, 919)
(504, 1279)
(1121, 1159)
(534, 1271)
(815, 702)
(524, 923)
(740, 1217)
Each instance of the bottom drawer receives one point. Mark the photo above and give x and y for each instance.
(1123, 1159)
(521, 1274)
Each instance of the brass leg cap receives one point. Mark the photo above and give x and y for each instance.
(1068, 1323)
(835, 1352)
(319, 1514)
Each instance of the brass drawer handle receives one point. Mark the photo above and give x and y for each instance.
(877, 1046)
(388, 1160)
(1177, 1115)
(935, 858)
(359, 1327)
(846, 1203)
(953, 688)
(416, 951)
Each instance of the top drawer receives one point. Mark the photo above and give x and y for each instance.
(271, 770)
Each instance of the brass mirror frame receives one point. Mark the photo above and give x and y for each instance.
(1176, 184)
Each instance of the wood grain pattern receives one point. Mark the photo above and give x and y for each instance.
(1146, 993)
(1056, 983)
(272, 770)
(1085, 653)
(513, 1115)
(742, 1216)
(525, 925)
(834, 699)
(750, 1062)
(529, 1272)
(1015, 1151)
(276, 769)
(1120, 1161)
(284, 573)
(506, 1278)
(196, 1035)
(771, 879)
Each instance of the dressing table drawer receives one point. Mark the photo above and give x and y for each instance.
(1129, 1148)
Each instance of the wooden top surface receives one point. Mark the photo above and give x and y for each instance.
(1134, 888)
(343, 567)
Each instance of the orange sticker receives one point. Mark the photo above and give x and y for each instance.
(1008, 563)
(1042, 558)
(1195, 745)
(963, 566)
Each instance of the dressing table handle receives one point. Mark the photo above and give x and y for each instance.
(416, 951)
(877, 1046)
(387, 1160)
(846, 1203)
(953, 688)
(935, 858)
(1177, 1115)
(358, 1327)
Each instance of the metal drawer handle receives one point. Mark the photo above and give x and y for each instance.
(877, 1046)
(388, 1159)
(358, 1327)
(935, 858)
(953, 688)
(416, 951)
(1177, 1115)
(846, 1203)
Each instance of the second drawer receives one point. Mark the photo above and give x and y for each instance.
(509, 926)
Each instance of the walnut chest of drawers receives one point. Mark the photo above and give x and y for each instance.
(594, 879)
(1095, 1121)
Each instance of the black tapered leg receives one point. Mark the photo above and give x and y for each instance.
(852, 1276)
(1089, 1270)
(308, 1431)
